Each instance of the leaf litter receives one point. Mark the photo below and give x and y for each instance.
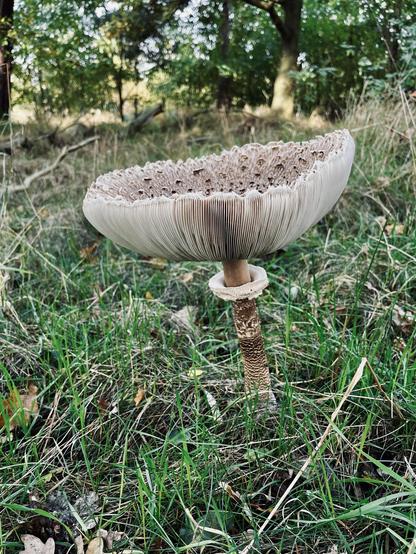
(16, 410)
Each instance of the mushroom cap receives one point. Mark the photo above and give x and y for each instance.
(245, 202)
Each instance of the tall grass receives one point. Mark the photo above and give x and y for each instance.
(190, 469)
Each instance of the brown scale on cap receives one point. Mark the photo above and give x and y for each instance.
(250, 167)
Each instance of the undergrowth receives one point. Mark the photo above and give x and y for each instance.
(189, 467)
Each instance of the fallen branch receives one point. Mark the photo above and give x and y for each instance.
(9, 145)
(357, 376)
(49, 168)
(53, 137)
(146, 115)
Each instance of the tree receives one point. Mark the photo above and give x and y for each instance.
(133, 35)
(288, 28)
(6, 58)
(224, 96)
(60, 66)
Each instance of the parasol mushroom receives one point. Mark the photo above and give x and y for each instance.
(246, 202)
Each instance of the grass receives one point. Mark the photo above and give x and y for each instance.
(190, 469)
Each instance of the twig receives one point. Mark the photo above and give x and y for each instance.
(357, 376)
(198, 527)
(49, 168)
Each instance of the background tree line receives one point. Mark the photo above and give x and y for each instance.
(71, 55)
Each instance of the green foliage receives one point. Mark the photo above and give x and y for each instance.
(57, 63)
(76, 55)
(84, 331)
(344, 45)
(343, 48)
(191, 73)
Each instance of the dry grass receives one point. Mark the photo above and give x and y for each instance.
(89, 324)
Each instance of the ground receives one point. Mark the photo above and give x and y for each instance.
(150, 415)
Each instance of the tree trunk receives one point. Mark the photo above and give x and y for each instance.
(283, 101)
(143, 117)
(6, 22)
(119, 87)
(118, 78)
(224, 97)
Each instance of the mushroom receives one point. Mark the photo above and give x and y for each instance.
(244, 203)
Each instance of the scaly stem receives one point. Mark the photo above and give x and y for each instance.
(248, 327)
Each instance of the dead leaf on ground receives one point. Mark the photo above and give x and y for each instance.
(112, 537)
(195, 373)
(96, 546)
(106, 538)
(186, 277)
(89, 253)
(185, 318)
(18, 408)
(395, 229)
(103, 405)
(43, 213)
(139, 397)
(403, 319)
(33, 545)
(334, 550)
(79, 544)
(158, 263)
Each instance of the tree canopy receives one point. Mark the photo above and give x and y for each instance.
(72, 55)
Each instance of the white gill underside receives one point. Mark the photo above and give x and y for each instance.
(224, 225)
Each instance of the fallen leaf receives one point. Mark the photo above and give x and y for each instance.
(103, 405)
(148, 295)
(88, 253)
(185, 318)
(380, 220)
(395, 229)
(79, 544)
(43, 213)
(33, 545)
(226, 487)
(139, 397)
(96, 546)
(293, 292)
(106, 538)
(158, 263)
(213, 405)
(195, 373)
(403, 319)
(186, 277)
(19, 408)
(334, 550)
(113, 536)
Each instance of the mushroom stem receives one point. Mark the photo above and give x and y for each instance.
(236, 273)
(248, 326)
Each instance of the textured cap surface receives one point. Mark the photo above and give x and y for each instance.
(245, 202)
